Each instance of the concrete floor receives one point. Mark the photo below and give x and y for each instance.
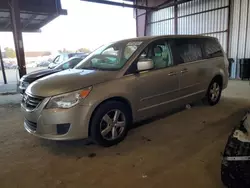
(182, 149)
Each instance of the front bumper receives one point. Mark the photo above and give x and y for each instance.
(21, 90)
(57, 124)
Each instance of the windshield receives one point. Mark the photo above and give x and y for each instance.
(110, 57)
(69, 64)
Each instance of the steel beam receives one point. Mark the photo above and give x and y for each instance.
(119, 4)
(175, 17)
(3, 70)
(29, 20)
(170, 4)
(228, 25)
(18, 39)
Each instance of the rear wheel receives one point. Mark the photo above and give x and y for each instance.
(109, 124)
(213, 93)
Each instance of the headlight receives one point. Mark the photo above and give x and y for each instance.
(68, 100)
(23, 84)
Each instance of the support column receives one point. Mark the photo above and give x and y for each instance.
(17, 34)
(3, 69)
(175, 17)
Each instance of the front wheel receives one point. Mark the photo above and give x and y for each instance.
(109, 124)
(213, 93)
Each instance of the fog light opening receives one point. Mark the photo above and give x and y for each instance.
(62, 128)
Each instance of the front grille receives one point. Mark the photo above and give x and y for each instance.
(31, 102)
(31, 125)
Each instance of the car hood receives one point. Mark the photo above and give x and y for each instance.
(67, 81)
(38, 74)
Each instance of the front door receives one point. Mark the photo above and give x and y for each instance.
(158, 88)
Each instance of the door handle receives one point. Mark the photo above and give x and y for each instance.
(184, 70)
(172, 74)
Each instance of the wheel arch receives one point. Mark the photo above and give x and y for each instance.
(218, 78)
(114, 98)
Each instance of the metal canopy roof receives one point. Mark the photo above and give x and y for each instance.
(34, 14)
(140, 4)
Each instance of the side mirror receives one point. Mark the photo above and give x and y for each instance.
(145, 64)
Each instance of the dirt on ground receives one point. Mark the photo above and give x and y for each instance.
(181, 149)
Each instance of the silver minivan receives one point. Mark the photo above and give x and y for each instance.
(125, 82)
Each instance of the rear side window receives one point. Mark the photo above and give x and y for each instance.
(212, 48)
(187, 50)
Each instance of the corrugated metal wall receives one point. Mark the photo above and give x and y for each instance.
(239, 43)
(208, 17)
(205, 17)
(240, 30)
(161, 22)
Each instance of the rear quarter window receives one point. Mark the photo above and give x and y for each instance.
(212, 48)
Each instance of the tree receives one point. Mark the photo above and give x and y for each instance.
(9, 52)
(84, 50)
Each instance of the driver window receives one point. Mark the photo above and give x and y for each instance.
(161, 54)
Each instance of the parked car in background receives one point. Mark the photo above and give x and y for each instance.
(29, 78)
(43, 64)
(125, 82)
(31, 64)
(63, 57)
(8, 65)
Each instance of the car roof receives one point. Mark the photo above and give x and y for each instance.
(149, 38)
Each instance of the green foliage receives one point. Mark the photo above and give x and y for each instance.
(64, 50)
(84, 50)
(9, 52)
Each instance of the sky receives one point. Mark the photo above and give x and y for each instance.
(87, 25)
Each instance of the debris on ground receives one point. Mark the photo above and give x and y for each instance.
(91, 155)
(188, 106)
(146, 139)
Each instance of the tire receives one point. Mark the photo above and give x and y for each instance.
(101, 127)
(209, 99)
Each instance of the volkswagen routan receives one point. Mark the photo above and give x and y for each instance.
(125, 82)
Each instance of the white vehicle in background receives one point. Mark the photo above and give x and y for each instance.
(32, 64)
(63, 57)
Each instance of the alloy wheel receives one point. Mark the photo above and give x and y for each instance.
(214, 92)
(112, 124)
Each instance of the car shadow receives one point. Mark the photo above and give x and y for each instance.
(87, 148)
